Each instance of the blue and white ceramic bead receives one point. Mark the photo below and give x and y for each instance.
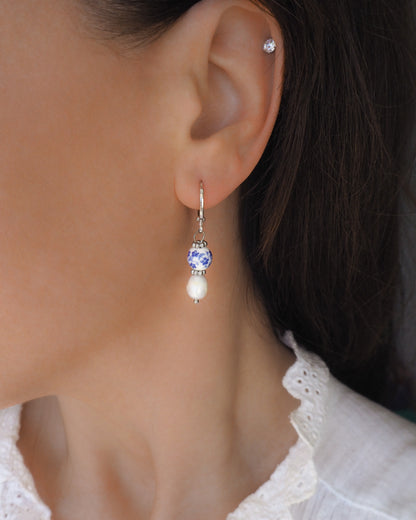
(199, 258)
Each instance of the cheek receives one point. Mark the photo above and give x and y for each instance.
(82, 206)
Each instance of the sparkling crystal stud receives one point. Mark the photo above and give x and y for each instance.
(269, 46)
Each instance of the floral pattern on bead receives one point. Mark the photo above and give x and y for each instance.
(199, 258)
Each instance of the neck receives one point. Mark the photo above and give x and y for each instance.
(177, 418)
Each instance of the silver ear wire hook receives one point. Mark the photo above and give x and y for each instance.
(201, 217)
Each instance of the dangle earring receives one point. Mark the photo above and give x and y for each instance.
(199, 256)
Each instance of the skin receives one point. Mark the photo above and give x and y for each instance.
(139, 403)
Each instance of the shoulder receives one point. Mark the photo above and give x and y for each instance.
(363, 455)
(365, 460)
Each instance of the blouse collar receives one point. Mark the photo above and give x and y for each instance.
(295, 479)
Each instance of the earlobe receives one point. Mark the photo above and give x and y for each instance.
(238, 79)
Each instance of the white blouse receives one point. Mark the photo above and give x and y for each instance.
(353, 459)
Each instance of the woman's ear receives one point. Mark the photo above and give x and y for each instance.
(238, 86)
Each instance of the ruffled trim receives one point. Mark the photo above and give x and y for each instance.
(295, 479)
(18, 495)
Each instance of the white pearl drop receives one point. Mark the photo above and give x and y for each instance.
(197, 287)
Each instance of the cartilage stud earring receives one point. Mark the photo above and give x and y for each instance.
(269, 46)
(199, 256)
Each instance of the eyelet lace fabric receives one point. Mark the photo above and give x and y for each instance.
(293, 481)
(19, 499)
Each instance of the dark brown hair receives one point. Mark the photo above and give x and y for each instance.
(319, 214)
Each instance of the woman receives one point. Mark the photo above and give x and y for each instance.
(289, 122)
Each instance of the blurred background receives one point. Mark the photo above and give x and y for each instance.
(406, 326)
